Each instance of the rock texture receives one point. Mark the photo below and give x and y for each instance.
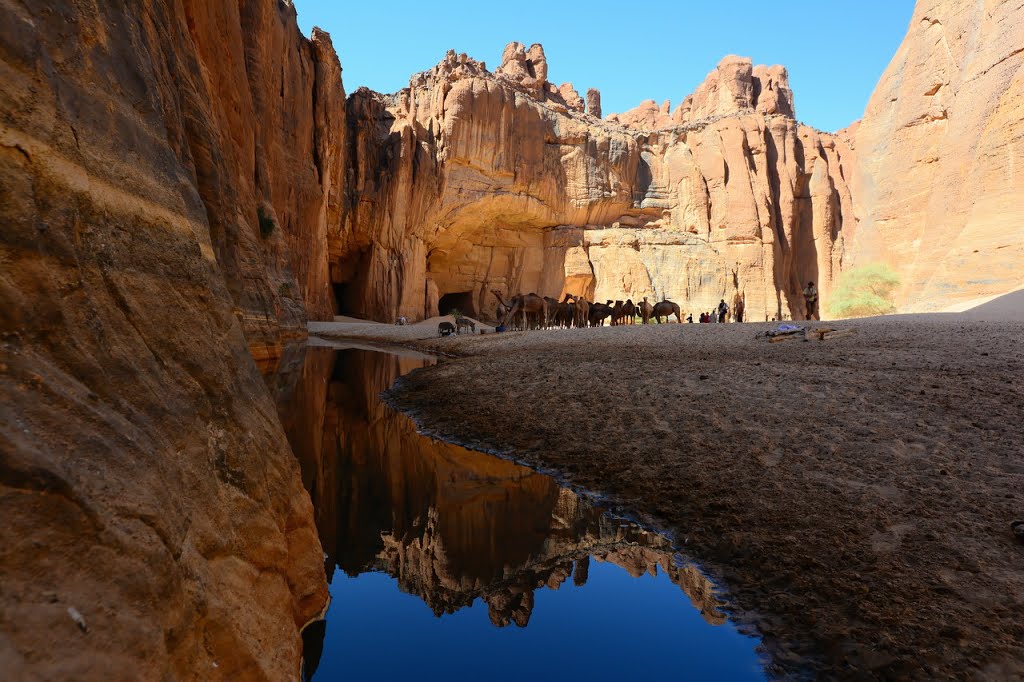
(594, 102)
(939, 184)
(468, 181)
(145, 483)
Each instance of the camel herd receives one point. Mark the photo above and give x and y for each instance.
(530, 311)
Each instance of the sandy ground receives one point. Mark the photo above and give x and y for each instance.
(854, 496)
(378, 332)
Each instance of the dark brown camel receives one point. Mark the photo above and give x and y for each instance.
(629, 311)
(666, 309)
(503, 307)
(617, 314)
(565, 311)
(529, 304)
(598, 313)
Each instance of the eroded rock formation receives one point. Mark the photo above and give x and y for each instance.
(468, 181)
(940, 185)
(144, 480)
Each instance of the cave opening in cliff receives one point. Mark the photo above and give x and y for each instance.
(461, 301)
(343, 298)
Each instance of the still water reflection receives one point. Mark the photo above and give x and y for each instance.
(450, 564)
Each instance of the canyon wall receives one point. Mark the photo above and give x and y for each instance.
(940, 180)
(170, 175)
(468, 181)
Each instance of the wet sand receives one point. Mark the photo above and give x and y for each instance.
(854, 496)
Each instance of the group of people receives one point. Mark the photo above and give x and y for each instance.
(719, 314)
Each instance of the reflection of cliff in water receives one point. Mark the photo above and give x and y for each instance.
(451, 525)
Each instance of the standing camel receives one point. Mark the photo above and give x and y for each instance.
(666, 309)
(598, 313)
(617, 314)
(646, 310)
(565, 311)
(629, 311)
(582, 312)
(503, 306)
(529, 304)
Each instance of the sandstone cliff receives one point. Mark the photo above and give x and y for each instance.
(144, 479)
(470, 180)
(940, 185)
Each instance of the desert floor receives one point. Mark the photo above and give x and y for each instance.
(853, 496)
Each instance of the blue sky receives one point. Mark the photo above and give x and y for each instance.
(658, 49)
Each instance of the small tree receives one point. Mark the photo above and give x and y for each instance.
(864, 291)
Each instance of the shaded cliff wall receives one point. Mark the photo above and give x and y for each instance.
(259, 114)
(144, 478)
(940, 180)
(468, 181)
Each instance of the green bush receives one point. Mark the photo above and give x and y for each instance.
(266, 222)
(864, 291)
(456, 313)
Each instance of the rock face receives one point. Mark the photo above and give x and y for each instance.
(144, 480)
(468, 181)
(594, 102)
(735, 86)
(939, 184)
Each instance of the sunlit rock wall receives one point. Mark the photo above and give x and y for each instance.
(940, 180)
(470, 180)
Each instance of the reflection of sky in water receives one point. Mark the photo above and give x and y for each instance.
(418, 527)
(614, 627)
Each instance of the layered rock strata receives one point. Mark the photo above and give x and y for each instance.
(939, 183)
(468, 181)
(167, 170)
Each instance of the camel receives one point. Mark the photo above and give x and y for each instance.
(564, 311)
(629, 311)
(646, 310)
(552, 304)
(617, 313)
(528, 304)
(598, 313)
(567, 309)
(503, 307)
(666, 309)
(582, 312)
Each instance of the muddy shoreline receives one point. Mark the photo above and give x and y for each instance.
(853, 497)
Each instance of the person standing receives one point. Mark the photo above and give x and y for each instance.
(723, 310)
(811, 299)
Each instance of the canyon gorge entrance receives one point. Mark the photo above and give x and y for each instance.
(446, 561)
